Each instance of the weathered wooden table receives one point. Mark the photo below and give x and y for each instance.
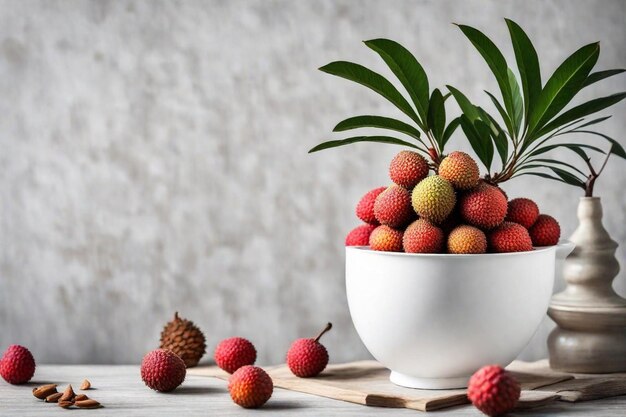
(121, 391)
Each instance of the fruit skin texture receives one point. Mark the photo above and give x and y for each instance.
(523, 211)
(307, 358)
(185, 339)
(546, 231)
(460, 169)
(434, 198)
(493, 391)
(408, 168)
(510, 237)
(250, 386)
(393, 207)
(484, 206)
(233, 353)
(162, 370)
(467, 239)
(385, 238)
(360, 235)
(423, 237)
(365, 207)
(17, 365)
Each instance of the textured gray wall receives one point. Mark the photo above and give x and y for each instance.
(154, 159)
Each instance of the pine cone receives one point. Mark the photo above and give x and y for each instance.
(185, 339)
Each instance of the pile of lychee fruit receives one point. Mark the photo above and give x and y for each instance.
(453, 211)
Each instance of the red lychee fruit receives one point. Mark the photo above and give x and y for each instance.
(484, 206)
(17, 365)
(163, 370)
(467, 239)
(385, 238)
(460, 169)
(233, 353)
(250, 386)
(360, 235)
(493, 390)
(393, 207)
(510, 237)
(308, 357)
(546, 231)
(523, 211)
(365, 208)
(423, 237)
(408, 168)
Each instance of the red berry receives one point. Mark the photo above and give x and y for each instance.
(231, 354)
(365, 207)
(522, 211)
(408, 168)
(250, 386)
(393, 207)
(360, 235)
(493, 390)
(17, 365)
(484, 206)
(510, 237)
(162, 370)
(308, 357)
(423, 237)
(385, 238)
(546, 231)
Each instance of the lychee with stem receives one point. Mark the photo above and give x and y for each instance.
(250, 386)
(484, 206)
(360, 235)
(433, 198)
(393, 207)
(17, 365)
(385, 238)
(408, 168)
(423, 237)
(466, 239)
(545, 231)
(365, 207)
(523, 211)
(510, 237)
(307, 357)
(460, 169)
(233, 353)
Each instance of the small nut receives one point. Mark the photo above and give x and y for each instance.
(44, 390)
(68, 394)
(85, 385)
(66, 404)
(88, 403)
(53, 398)
(81, 397)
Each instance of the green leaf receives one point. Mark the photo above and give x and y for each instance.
(454, 124)
(543, 175)
(562, 86)
(437, 115)
(601, 75)
(516, 101)
(527, 64)
(593, 122)
(505, 117)
(374, 81)
(356, 139)
(615, 149)
(408, 70)
(478, 135)
(495, 60)
(567, 177)
(553, 161)
(570, 146)
(377, 122)
(585, 109)
(502, 146)
(466, 106)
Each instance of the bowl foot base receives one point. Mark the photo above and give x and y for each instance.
(428, 383)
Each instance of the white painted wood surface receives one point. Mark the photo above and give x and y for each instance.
(121, 391)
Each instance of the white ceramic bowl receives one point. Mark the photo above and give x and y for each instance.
(434, 319)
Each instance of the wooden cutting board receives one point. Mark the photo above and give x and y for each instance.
(367, 383)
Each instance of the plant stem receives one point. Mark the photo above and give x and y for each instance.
(327, 328)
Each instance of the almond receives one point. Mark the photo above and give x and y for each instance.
(68, 394)
(44, 390)
(81, 397)
(66, 404)
(89, 403)
(85, 385)
(53, 398)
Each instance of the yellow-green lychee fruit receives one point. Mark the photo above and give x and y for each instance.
(460, 169)
(433, 198)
